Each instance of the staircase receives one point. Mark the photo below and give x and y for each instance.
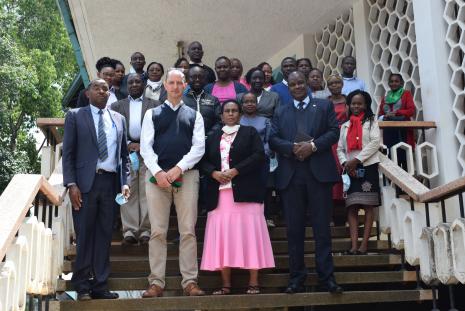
(374, 278)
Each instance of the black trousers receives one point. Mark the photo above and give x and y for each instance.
(302, 194)
(95, 224)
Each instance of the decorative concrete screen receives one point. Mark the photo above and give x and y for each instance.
(335, 41)
(454, 15)
(394, 47)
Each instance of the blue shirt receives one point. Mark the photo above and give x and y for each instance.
(352, 84)
(110, 163)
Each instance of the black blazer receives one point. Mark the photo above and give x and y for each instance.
(323, 127)
(247, 156)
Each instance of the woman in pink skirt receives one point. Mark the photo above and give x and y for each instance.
(236, 235)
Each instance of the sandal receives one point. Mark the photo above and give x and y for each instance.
(253, 290)
(225, 290)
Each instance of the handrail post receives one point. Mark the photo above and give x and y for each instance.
(451, 298)
(435, 301)
(428, 222)
(462, 214)
(443, 210)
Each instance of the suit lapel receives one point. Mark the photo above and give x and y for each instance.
(119, 132)
(90, 122)
(126, 110)
(145, 107)
(312, 111)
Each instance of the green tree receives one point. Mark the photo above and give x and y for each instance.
(37, 66)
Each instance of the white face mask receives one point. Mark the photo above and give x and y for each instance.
(345, 183)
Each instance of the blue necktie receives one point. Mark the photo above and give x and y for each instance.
(301, 105)
(102, 138)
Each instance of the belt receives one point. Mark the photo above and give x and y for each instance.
(101, 172)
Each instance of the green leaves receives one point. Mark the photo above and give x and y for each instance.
(37, 65)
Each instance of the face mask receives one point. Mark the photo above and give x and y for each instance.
(345, 183)
(134, 161)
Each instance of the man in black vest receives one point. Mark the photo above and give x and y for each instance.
(172, 142)
(302, 134)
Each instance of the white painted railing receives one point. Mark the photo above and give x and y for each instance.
(427, 226)
(35, 230)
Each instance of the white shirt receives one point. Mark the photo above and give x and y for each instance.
(112, 98)
(110, 162)
(135, 115)
(148, 135)
(284, 82)
(306, 102)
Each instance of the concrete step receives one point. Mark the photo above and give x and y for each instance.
(242, 301)
(277, 233)
(267, 280)
(133, 264)
(279, 247)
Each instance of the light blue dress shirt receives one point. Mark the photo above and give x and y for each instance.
(110, 163)
(352, 84)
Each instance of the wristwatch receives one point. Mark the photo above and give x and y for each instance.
(314, 148)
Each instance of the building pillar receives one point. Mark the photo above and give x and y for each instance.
(437, 96)
(362, 44)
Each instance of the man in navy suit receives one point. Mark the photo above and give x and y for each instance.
(302, 134)
(95, 169)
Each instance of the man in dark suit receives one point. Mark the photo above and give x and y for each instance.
(302, 134)
(134, 214)
(94, 170)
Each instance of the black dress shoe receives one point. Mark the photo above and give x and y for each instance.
(332, 287)
(83, 296)
(129, 240)
(294, 289)
(104, 295)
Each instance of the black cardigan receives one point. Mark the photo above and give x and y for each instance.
(247, 156)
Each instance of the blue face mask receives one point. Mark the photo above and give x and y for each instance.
(134, 161)
(345, 183)
(121, 199)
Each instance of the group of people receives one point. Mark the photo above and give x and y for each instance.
(223, 143)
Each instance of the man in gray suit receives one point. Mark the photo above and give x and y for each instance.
(94, 170)
(134, 214)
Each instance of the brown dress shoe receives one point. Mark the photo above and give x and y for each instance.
(192, 289)
(153, 291)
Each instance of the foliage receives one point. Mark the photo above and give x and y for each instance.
(37, 66)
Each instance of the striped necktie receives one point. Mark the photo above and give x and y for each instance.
(102, 138)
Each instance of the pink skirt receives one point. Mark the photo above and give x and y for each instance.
(236, 236)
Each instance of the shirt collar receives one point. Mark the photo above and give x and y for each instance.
(306, 101)
(191, 92)
(348, 79)
(284, 82)
(167, 102)
(95, 110)
(139, 99)
(192, 63)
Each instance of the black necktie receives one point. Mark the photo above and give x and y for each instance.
(301, 105)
